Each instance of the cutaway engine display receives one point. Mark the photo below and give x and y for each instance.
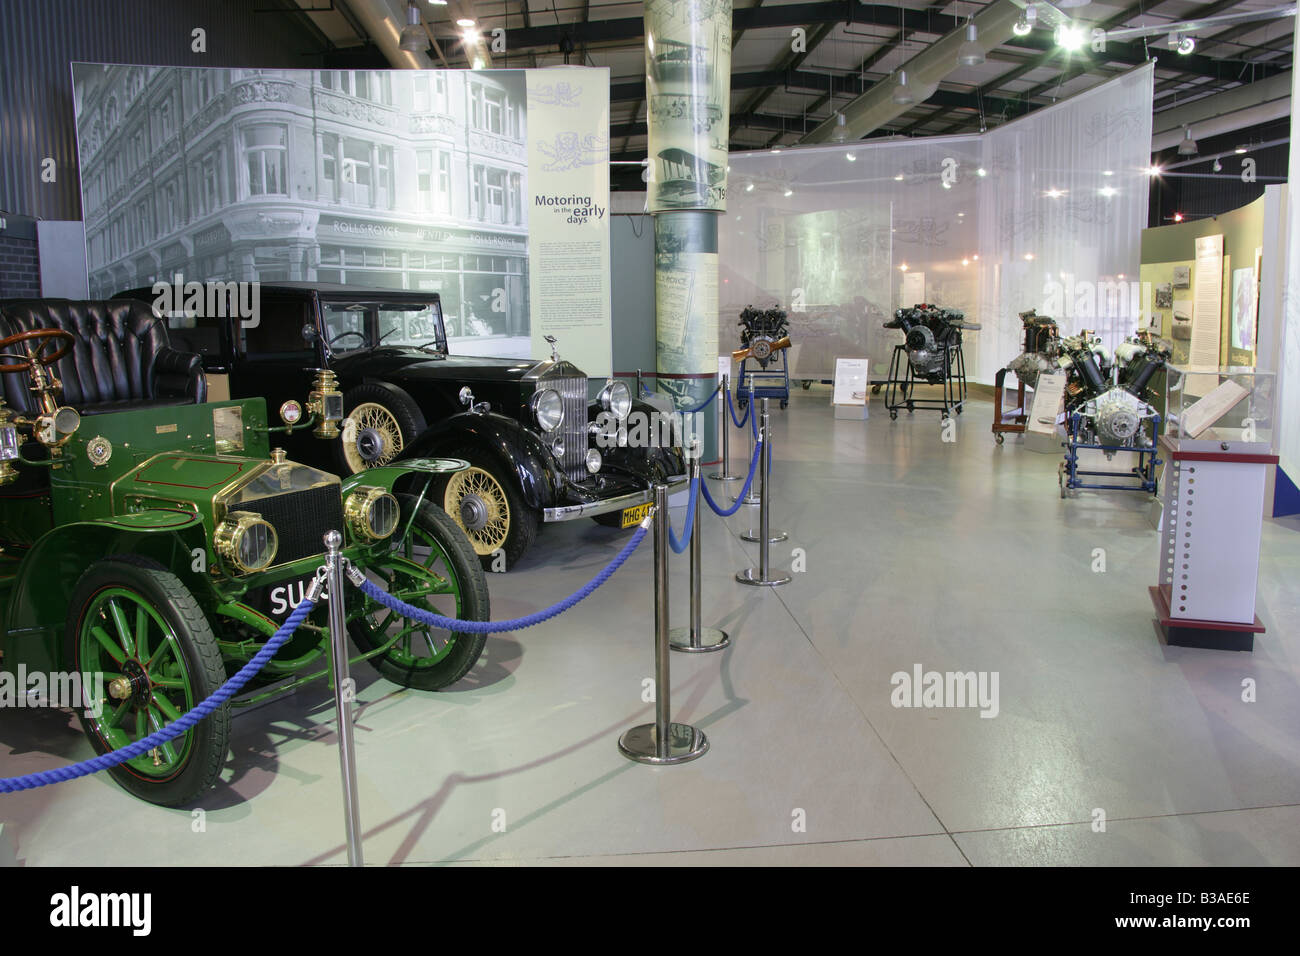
(931, 332)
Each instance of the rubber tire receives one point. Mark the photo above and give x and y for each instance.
(174, 602)
(523, 532)
(409, 418)
(475, 604)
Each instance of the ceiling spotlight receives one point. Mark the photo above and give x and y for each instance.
(903, 92)
(1026, 21)
(851, 157)
(1178, 217)
(1108, 191)
(981, 171)
(1054, 193)
(1188, 146)
(965, 262)
(1154, 170)
(1184, 45)
(970, 53)
(1240, 150)
(1218, 166)
(899, 178)
(413, 39)
(749, 187)
(437, 3)
(1029, 257)
(788, 193)
(903, 267)
(840, 134)
(466, 22)
(947, 185)
(776, 149)
(1069, 37)
(478, 64)
(1108, 172)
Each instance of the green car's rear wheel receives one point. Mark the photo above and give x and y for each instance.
(430, 564)
(139, 630)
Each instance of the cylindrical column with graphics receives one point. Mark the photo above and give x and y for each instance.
(688, 94)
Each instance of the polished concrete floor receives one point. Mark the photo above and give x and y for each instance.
(1108, 747)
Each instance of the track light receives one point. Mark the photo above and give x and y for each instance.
(1188, 146)
(413, 38)
(1184, 45)
(466, 22)
(970, 53)
(840, 134)
(1218, 166)
(1069, 37)
(903, 92)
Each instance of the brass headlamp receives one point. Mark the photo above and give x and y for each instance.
(325, 401)
(8, 444)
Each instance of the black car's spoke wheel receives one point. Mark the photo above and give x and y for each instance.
(429, 564)
(381, 421)
(140, 630)
(489, 509)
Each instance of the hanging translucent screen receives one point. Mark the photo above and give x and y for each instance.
(1043, 213)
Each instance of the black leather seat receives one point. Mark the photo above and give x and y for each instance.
(122, 358)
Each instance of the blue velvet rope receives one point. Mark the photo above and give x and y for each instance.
(749, 480)
(704, 404)
(372, 591)
(173, 730)
(680, 545)
(749, 406)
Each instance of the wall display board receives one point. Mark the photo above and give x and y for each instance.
(488, 187)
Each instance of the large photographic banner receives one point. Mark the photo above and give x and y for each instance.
(568, 200)
(420, 180)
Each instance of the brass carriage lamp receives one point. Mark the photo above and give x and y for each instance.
(8, 444)
(325, 401)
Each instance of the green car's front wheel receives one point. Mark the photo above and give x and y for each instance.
(147, 655)
(429, 563)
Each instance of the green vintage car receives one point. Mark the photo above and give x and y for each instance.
(153, 543)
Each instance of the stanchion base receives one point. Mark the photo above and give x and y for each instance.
(708, 639)
(754, 577)
(773, 536)
(748, 499)
(684, 743)
(718, 476)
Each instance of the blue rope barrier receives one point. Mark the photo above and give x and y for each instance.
(749, 480)
(173, 730)
(371, 590)
(680, 545)
(740, 422)
(704, 404)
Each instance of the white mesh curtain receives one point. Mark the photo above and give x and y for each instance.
(841, 236)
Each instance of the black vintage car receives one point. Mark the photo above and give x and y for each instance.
(539, 450)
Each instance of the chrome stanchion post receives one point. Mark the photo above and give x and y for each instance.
(697, 638)
(761, 575)
(662, 742)
(724, 416)
(763, 532)
(342, 694)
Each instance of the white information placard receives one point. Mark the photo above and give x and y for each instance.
(1207, 312)
(1046, 407)
(851, 376)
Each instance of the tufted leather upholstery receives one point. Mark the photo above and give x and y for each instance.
(122, 359)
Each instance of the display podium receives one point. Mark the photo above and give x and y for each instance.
(1217, 445)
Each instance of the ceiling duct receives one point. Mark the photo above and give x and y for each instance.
(878, 105)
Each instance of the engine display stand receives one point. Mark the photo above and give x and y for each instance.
(1209, 547)
(901, 382)
(767, 382)
(1141, 477)
(1013, 421)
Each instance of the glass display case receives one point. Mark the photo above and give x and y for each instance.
(1220, 409)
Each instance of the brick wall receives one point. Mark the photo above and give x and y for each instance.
(20, 271)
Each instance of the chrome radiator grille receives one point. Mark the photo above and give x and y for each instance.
(573, 391)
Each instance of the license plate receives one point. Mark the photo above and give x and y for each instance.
(635, 515)
(277, 600)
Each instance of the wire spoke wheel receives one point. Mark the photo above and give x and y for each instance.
(377, 439)
(429, 564)
(478, 503)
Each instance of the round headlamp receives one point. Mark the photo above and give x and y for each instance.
(371, 513)
(616, 398)
(246, 541)
(548, 409)
(593, 461)
(557, 446)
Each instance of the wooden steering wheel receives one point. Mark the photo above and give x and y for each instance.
(44, 336)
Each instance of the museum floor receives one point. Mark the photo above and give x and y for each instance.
(952, 556)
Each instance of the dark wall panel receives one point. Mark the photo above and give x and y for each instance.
(40, 38)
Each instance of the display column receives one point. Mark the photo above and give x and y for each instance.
(688, 94)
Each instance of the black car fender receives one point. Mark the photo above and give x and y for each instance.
(518, 451)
